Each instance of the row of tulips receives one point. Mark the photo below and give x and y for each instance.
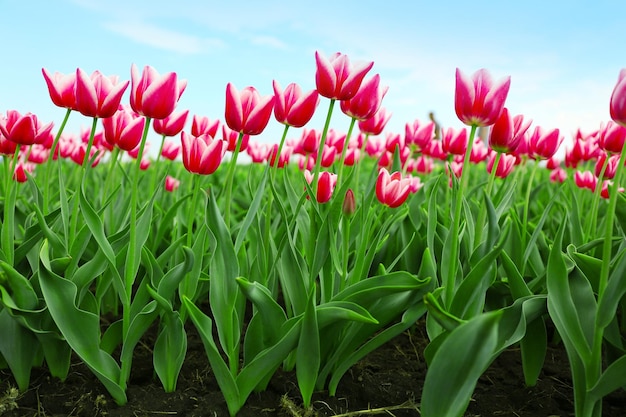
(322, 249)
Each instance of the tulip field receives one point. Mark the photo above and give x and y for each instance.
(306, 256)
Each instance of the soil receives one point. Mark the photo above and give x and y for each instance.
(387, 382)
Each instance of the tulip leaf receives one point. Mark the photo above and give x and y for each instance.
(308, 358)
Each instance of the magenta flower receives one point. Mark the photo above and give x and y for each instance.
(203, 154)
(375, 124)
(170, 150)
(24, 129)
(336, 79)
(292, 107)
(154, 95)
(124, 129)
(612, 136)
(325, 185)
(505, 165)
(543, 144)
(62, 88)
(246, 111)
(507, 132)
(201, 125)
(454, 141)
(98, 95)
(585, 179)
(172, 125)
(477, 100)
(366, 101)
(391, 189)
(618, 100)
(171, 184)
(419, 134)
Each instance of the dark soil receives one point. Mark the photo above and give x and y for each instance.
(390, 379)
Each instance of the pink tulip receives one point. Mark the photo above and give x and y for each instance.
(172, 125)
(375, 124)
(62, 88)
(98, 95)
(19, 174)
(201, 125)
(325, 185)
(604, 192)
(246, 111)
(454, 141)
(124, 129)
(612, 136)
(170, 150)
(391, 189)
(203, 154)
(292, 107)
(24, 129)
(283, 158)
(366, 101)
(419, 134)
(558, 175)
(505, 165)
(618, 100)
(309, 141)
(393, 141)
(543, 143)
(611, 166)
(507, 132)
(171, 184)
(336, 79)
(154, 95)
(477, 100)
(585, 179)
(144, 164)
(230, 137)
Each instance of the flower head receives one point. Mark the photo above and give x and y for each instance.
(292, 107)
(391, 189)
(618, 99)
(543, 143)
(154, 95)
(336, 79)
(246, 111)
(325, 185)
(24, 129)
(477, 100)
(98, 95)
(507, 132)
(172, 125)
(375, 124)
(203, 154)
(124, 129)
(62, 88)
(366, 101)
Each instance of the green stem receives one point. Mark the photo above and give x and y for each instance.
(155, 172)
(361, 158)
(46, 192)
(8, 237)
(450, 279)
(343, 152)
(529, 188)
(84, 169)
(345, 252)
(192, 209)
(320, 150)
(482, 213)
(591, 220)
(229, 180)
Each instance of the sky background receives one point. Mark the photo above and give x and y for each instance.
(563, 56)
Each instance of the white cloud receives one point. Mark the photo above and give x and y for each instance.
(157, 37)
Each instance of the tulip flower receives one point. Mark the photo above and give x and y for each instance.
(203, 154)
(171, 184)
(154, 95)
(325, 186)
(375, 124)
(172, 125)
(612, 136)
(454, 141)
(202, 125)
(419, 134)
(309, 140)
(558, 175)
(507, 132)
(505, 165)
(585, 179)
(283, 158)
(231, 137)
(543, 143)
(366, 101)
(62, 88)
(618, 100)
(292, 107)
(336, 79)
(391, 189)
(7, 147)
(170, 150)
(124, 129)
(19, 173)
(349, 203)
(98, 95)
(478, 101)
(24, 129)
(246, 111)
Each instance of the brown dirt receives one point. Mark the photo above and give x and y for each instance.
(389, 379)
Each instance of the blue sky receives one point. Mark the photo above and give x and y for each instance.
(563, 57)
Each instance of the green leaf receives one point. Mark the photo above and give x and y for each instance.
(613, 378)
(615, 290)
(457, 365)
(19, 346)
(533, 347)
(561, 306)
(170, 349)
(308, 353)
(80, 328)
